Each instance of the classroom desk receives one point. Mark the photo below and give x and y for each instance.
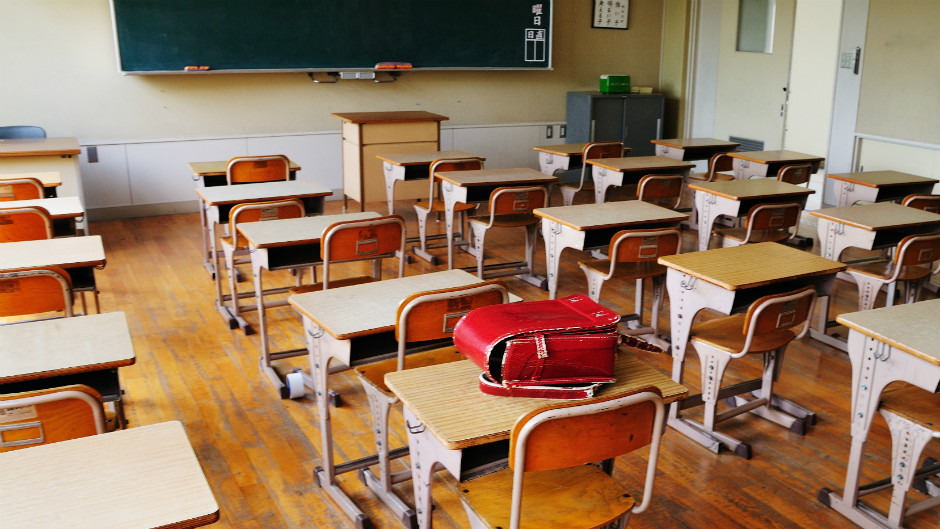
(39, 155)
(592, 226)
(877, 186)
(692, 148)
(734, 198)
(211, 174)
(285, 244)
(355, 325)
(728, 280)
(476, 186)
(620, 171)
(885, 345)
(79, 256)
(402, 167)
(562, 157)
(66, 213)
(57, 352)
(748, 164)
(452, 423)
(49, 180)
(218, 201)
(144, 477)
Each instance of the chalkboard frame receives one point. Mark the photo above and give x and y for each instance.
(169, 36)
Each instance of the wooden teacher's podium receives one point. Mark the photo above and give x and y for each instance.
(367, 134)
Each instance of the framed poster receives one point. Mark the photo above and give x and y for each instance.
(611, 14)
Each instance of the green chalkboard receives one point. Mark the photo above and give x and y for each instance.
(331, 35)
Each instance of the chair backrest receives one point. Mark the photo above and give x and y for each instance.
(450, 164)
(795, 174)
(719, 163)
(21, 131)
(259, 211)
(34, 291)
(929, 203)
(517, 200)
(432, 315)
(772, 217)
(253, 169)
(360, 240)
(778, 313)
(21, 189)
(660, 189)
(917, 250)
(576, 433)
(30, 223)
(49, 415)
(634, 246)
(599, 149)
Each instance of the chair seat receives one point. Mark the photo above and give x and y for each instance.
(438, 206)
(884, 269)
(725, 334)
(739, 234)
(334, 283)
(573, 498)
(374, 373)
(507, 221)
(913, 404)
(641, 270)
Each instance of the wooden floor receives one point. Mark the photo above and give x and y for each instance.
(259, 451)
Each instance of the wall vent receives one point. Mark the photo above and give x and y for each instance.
(747, 144)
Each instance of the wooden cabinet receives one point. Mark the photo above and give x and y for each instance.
(633, 119)
(367, 134)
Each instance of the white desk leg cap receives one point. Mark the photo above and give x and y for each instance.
(295, 385)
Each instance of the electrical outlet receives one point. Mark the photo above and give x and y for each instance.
(549, 131)
(562, 131)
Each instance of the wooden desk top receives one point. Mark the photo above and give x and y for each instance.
(139, 477)
(289, 232)
(562, 149)
(776, 156)
(218, 168)
(881, 178)
(692, 143)
(910, 327)
(67, 252)
(878, 216)
(370, 308)
(610, 214)
(448, 401)
(751, 188)
(48, 179)
(488, 177)
(640, 163)
(10, 148)
(221, 195)
(751, 265)
(403, 116)
(58, 208)
(423, 158)
(62, 346)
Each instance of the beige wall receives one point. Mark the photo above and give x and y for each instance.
(60, 72)
(674, 64)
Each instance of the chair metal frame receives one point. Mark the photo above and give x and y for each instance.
(38, 305)
(764, 220)
(797, 174)
(911, 253)
(253, 169)
(51, 421)
(436, 205)
(36, 229)
(663, 190)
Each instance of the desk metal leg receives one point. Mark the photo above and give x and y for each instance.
(427, 456)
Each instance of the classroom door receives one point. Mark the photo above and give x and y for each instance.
(752, 86)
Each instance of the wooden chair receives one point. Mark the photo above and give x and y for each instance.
(550, 483)
(591, 151)
(21, 189)
(911, 414)
(663, 190)
(423, 318)
(795, 174)
(35, 291)
(633, 254)
(253, 169)
(234, 244)
(915, 259)
(25, 224)
(767, 327)
(49, 416)
(435, 204)
(764, 223)
(929, 203)
(509, 207)
(719, 165)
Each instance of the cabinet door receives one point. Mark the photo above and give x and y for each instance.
(607, 118)
(643, 118)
